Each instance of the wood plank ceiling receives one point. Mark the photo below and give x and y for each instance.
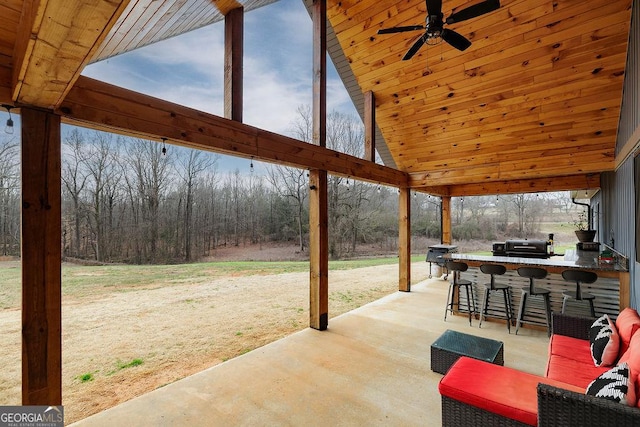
(148, 21)
(535, 98)
(533, 104)
(45, 44)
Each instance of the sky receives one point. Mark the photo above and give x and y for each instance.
(189, 70)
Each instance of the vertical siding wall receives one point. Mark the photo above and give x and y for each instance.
(617, 197)
(618, 219)
(630, 114)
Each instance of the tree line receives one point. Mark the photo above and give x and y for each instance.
(138, 201)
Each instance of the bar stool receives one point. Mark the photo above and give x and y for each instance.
(455, 267)
(533, 273)
(496, 270)
(579, 276)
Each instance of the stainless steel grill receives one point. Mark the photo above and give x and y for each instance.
(436, 253)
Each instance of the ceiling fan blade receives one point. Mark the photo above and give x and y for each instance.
(400, 29)
(456, 40)
(414, 49)
(473, 11)
(434, 7)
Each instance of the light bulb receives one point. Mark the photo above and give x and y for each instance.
(9, 128)
(164, 146)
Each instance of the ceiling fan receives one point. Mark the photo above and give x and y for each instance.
(434, 25)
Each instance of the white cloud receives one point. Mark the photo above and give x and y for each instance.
(189, 69)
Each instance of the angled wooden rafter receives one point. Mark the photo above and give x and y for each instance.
(54, 43)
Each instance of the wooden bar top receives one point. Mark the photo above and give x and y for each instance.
(584, 260)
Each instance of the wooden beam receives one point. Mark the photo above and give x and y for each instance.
(369, 126)
(233, 59)
(41, 259)
(445, 218)
(318, 199)
(101, 106)
(404, 241)
(318, 250)
(55, 40)
(539, 185)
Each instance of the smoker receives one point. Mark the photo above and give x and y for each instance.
(436, 255)
(527, 248)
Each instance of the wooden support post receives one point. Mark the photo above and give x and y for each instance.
(445, 217)
(319, 101)
(318, 201)
(41, 259)
(404, 241)
(233, 55)
(318, 250)
(369, 126)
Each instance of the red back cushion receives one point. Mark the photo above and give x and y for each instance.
(627, 323)
(632, 355)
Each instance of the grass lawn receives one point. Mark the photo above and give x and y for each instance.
(80, 282)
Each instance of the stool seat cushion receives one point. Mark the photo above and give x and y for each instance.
(463, 282)
(498, 389)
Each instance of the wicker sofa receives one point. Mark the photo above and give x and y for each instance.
(478, 393)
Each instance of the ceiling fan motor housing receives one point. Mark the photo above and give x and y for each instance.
(434, 25)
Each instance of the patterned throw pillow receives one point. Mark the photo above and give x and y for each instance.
(616, 384)
(605, 341)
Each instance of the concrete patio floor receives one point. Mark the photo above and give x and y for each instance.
(371, 367)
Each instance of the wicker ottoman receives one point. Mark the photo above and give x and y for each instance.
(451, 345)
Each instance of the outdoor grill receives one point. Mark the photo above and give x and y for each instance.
(526, 248)
(436, 255)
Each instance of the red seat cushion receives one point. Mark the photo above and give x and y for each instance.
(498, 389)
(570, 361)
(571, 371)
(572, 348)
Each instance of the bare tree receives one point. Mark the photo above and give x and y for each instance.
(189, 165)
(103, 175)
(149, 169)
(74, 179)
(293, 185)
(9, 196)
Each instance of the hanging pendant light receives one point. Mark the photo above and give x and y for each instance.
(9, 127)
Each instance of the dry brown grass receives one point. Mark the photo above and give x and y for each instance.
(177, 330)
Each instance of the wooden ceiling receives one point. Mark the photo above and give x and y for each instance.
(532, 105)
(535, 99)
(148, 21)
(45, 44)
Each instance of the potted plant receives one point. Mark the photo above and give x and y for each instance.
(583, 232)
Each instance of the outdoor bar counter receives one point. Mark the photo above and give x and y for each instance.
(611, 289)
